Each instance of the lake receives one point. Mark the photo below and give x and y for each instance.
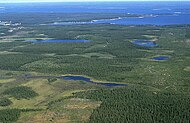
(58, 41)
(76, 78)
(159, 20)
(151, 13)
(145, 43)
(160, 58)
(85, 79)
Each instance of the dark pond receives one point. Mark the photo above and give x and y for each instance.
(161, 58)
(58, 41)
(81, 78)
(145, 43)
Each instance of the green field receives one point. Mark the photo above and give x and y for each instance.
(157, 91)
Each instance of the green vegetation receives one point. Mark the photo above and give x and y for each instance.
(137, 104)
(14, 61)
(157, 91)
(5, 102)
(9, 115)
(70, 107)
(12, 115)
(50, 80)
(21, 92)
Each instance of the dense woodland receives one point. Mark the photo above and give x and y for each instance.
(12, 115)
(21, 92)
(157, 91)
(9, 115)
(135, 104)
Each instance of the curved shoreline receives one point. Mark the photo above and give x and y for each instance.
(94, 80)
(82, 78)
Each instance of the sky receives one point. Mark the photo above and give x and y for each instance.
(20, 1)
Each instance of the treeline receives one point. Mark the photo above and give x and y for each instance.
(137, 104)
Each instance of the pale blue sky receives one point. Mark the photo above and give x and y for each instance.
(18, 1)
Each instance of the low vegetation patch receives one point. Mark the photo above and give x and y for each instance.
(51, 80)
(6, 80)
(187, 68)
(5, 102)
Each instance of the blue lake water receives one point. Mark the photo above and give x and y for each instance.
(85, 79)
(145, 43)
(159, 20)
(58, 41)
(161, 58)
(151, 13)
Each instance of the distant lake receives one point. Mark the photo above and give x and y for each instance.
(160, 58)
(159, 20)
(151, 13)
(145, 43)
(85, 79)
(58, 41)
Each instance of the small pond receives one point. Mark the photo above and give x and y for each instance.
(145, 43)
(85, 79)
(160, 58)
(58, 41)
